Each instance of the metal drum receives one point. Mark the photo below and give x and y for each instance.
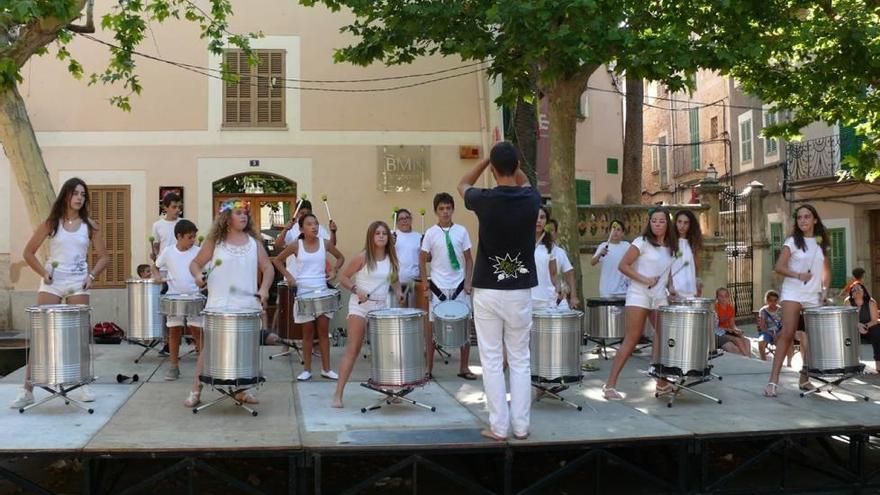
(706, 303)
(232, 344)
(397, 336)
(555, 345)
(451, 323)
(833, 334)
(606, 317)
(318, 301)
(59, 344)
(684, 340)
(187, 305)
(145, 322)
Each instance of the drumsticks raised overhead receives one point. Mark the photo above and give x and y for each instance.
(326, 206)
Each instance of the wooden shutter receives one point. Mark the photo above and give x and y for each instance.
(257, 99)
(111, 209)
(837, 257)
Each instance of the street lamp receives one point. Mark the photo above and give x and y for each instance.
(711, 173)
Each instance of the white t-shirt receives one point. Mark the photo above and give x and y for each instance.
(176, 263)
(163, 231)
(407, 246)
(611, 280)
(652, 261)
(813, 260)
(442, 273)
(292, 235)
(684, 271)
(563, 264)
(544, 292)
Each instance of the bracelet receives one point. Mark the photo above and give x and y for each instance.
(91, 276)
(354, 289)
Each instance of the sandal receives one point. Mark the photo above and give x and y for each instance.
(662, 389)
(521, 437)
(467, 375)
(806, 386)
(492, 436)
(194, 399)
(589, 367)
(770, 390)
(246, 398)
(611, 393)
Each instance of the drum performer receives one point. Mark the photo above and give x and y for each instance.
(504, 274)
(368, 276)
(611, 281)
(564, 271)
(448, 246)
(807, 273)
(232, 283)
(66, 273)
(310, 253)
(869, 318)
(407, 242)
(685, 271)
(646, 263)
(547, 292)
(175, 260)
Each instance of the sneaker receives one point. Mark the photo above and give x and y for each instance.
(85, 394)
(25, 398)
(330, 374)
(172, 374)
(304, 376)
(164, 351)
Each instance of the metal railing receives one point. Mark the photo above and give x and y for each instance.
(819, 157)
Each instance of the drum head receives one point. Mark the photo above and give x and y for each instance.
(395, 313)
(232, 312)
(318, 293)
(58, 308)
(184, 297)
(451, 310)
(556, 313)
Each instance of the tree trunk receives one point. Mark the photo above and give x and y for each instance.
(633, 143)
(563, 98)
(21, 147)
(525, 123)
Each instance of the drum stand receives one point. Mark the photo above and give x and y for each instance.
(150, 346)
(831, 385)
(398, 395)
(677, 383)
(61, 392)
(442, 352)
(552, 390)
(291, 347)
(605, 343)
(229, 392)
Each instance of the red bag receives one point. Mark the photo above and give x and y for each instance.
(107, 329)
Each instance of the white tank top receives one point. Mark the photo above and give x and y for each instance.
(377, 282)
(70, 249)
(544, 291)
(239, 271)
(310, 266)
(684, 271)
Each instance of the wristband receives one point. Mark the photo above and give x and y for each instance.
(91, 276)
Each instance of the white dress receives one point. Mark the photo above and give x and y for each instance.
(232, 284)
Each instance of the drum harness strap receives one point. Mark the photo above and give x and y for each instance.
(440, 295)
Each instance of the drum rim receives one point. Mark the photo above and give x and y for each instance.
(821, 310)
(184, 297)
(324, 291)
(58, 308)
(675, 308)
(231, 312)
(685, 299)
(397, 313)
(451, 317)
(557, 313)
(144, 281)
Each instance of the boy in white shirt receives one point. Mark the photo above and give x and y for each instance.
(175, 260)
(448, 246)
(407, 243)
(163, 228)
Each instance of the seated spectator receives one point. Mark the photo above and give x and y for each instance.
(727, 335)
(770, 324)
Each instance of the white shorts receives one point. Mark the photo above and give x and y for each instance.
(462, 297)
(362, 309)
(642, 297)
(191, 321)
(65, 284)
(297, 318)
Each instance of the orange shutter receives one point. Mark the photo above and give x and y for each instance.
(111, 209)
(257, 98)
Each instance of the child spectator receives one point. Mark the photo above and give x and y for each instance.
(143, 271)
(727, 335)
(770, 324)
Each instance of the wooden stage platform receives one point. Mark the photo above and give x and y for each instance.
(295, 421)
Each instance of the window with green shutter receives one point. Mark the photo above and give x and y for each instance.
(582, 189)
(611, 165)
(776, 240)
(837, 257)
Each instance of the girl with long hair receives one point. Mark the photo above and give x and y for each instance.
(368, 276)
(686, 269)
(545, 294)
(869, 318)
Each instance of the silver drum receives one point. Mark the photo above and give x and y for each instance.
(232, 344)
(706, 303)
(59, 336)
(397, 337)
(606, 317)
(555, 345)
(451, 323)
(833, 334)
(318, 302)
(145, 322)
(187, 305)
(684, 340)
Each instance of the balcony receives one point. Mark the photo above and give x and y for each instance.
(818, 158)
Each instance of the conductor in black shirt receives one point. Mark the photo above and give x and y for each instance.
(504, 273)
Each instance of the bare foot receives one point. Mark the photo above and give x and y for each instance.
(337, 402)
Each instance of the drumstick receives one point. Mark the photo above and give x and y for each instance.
(326, 206)
(394, 219)
(210, 269)
(422, 213)
(201, 239)
(686, 263)
(674, 257)
(819, 248)
(54, 265)
(298, 204)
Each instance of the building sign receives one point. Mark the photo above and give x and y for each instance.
(404, 168)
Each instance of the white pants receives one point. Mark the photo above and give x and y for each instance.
(504, 319)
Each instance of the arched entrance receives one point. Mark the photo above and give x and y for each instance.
(272, 198)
